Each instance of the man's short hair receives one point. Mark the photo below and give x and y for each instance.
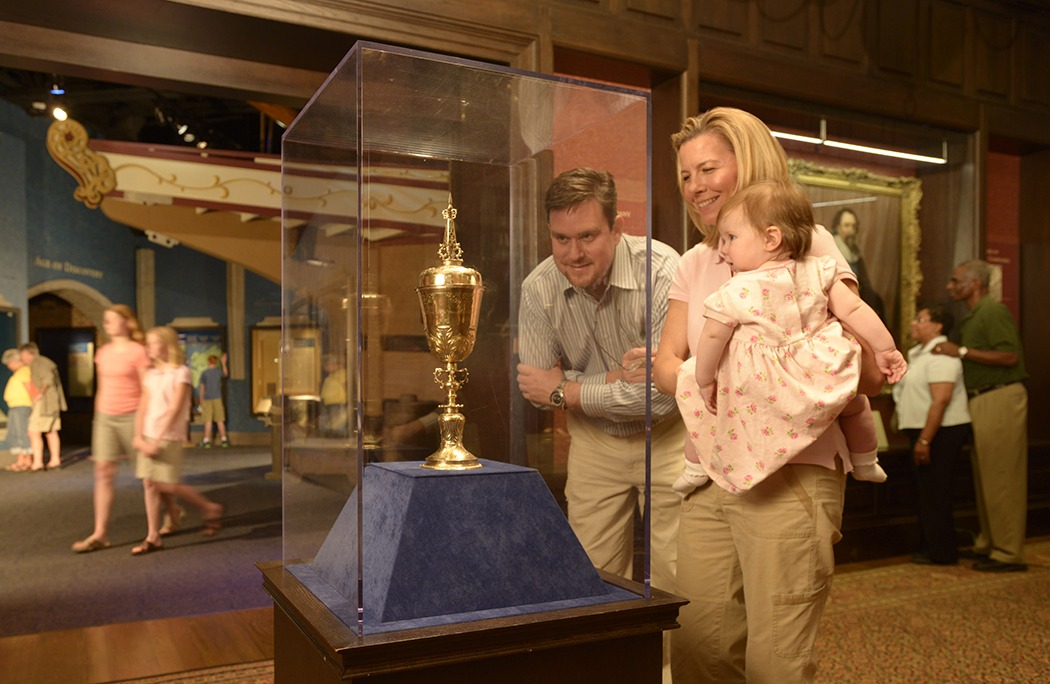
(979, 270)
(31, 348)
(576, 186)
(9, 356)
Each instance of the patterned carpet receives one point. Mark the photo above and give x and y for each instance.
(912, 624)
(897, 624)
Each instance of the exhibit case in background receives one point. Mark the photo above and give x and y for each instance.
(405, 164)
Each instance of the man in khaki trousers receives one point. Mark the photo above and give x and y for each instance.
(993, 370)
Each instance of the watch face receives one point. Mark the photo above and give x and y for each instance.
(557, 397)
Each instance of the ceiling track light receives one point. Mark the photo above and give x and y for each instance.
(866, 149)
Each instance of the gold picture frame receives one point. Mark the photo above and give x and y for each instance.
(887, 210)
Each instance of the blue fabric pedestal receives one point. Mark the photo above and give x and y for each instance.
(441, 547)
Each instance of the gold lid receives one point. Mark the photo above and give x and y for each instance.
(451, 272)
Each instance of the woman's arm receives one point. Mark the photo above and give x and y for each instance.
(941, 392)
(674, 347)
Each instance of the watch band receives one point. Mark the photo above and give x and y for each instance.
(558, 396)
(963, 351)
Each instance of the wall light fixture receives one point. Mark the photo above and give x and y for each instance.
(866, 149)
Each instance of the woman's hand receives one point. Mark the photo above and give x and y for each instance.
(921, 454)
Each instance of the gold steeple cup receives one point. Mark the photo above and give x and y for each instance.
(450, 298)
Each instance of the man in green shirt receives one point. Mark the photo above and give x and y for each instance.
(993, 370)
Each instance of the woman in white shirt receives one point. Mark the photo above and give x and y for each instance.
(932, 410)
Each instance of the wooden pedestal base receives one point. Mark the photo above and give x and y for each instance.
(616, 642)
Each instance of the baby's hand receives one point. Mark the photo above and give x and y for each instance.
(707, 393)
(891, 362)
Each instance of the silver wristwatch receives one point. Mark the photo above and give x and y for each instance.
(558, 396)
(963, 351)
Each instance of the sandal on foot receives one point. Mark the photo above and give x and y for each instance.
(172, 525)
(88, 545)
(145, 547)
(213, 523)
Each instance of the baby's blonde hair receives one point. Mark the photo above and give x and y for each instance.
(780, 204)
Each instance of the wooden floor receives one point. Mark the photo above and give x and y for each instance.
(139, 649)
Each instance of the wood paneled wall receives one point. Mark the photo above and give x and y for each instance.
(942, 62)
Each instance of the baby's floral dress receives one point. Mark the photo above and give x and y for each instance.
(788, 371)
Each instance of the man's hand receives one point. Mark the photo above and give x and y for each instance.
(633, 366)
(537, 384)
(946, 349)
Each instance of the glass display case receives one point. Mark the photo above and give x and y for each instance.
(408, 173)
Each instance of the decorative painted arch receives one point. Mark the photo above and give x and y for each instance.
(85, 298)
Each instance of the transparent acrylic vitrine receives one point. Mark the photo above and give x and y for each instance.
(369, 169)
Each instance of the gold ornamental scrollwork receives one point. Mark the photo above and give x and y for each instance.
(67, 142)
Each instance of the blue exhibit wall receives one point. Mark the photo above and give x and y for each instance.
(66, 239)
(48, 235)
(189, 283)
(13, 191)
(12, 242)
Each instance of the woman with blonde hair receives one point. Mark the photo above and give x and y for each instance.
(755, 568)
(120, 365)
(160, 425)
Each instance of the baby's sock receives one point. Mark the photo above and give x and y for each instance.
(866, 467)
(692, 477)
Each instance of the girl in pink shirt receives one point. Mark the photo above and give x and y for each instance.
(160, 426)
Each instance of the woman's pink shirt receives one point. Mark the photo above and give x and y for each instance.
(119, 380)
